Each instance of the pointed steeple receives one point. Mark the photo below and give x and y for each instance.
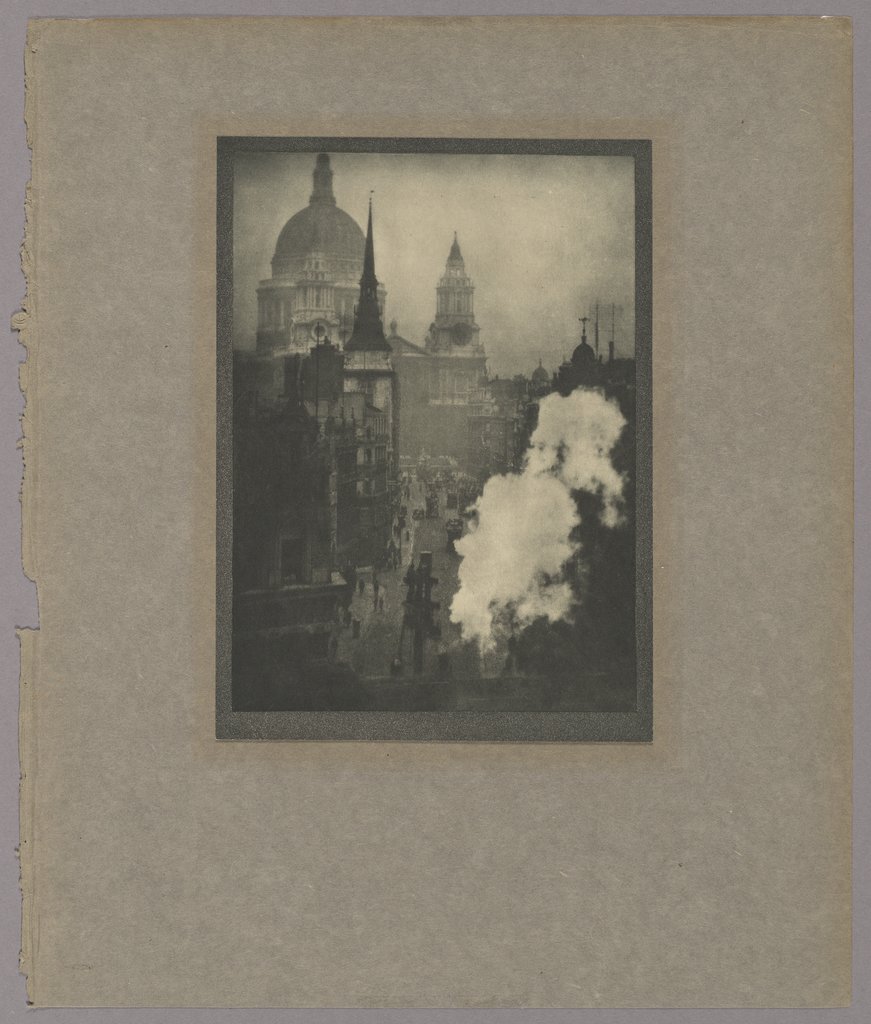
(455, 256)
(322, 193)
(368, 279)
(368, 333)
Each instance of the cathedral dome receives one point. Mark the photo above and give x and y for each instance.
(540, 375)
(321, 227)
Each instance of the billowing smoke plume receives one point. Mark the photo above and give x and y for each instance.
(514, 556)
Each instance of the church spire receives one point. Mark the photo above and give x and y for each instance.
(322, 193)
(455, 256)
(368, 279)
(368, 331)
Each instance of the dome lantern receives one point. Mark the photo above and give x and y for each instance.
(322, 177)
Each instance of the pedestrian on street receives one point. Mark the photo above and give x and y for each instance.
(375, 587)
(361, 583)
(381, 602)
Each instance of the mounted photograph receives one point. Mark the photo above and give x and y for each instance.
(434, 439)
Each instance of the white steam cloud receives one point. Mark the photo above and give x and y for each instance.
(513, 557)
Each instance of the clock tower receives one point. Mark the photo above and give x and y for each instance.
(458, 366)
(454, 329)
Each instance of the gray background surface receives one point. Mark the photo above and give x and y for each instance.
(19, 605)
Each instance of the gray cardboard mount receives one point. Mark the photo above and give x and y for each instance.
(709, 868)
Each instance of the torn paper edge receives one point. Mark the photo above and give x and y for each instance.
(24, 323)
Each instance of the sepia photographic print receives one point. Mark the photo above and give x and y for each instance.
(434, 439)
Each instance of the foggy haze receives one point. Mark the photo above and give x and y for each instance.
(543, 238)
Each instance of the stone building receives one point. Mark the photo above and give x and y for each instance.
(412, 366)
(316, 272)
(457, 375)
(495, 436)
(289, 457)
(541, 382)
(443, 382)
(584, 369)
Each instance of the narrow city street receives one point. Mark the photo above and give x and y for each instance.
(380, 612)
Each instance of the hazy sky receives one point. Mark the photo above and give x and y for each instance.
(543, 238)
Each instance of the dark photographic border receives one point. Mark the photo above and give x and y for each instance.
(513, 726)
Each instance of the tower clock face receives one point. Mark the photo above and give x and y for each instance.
(462, 334)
